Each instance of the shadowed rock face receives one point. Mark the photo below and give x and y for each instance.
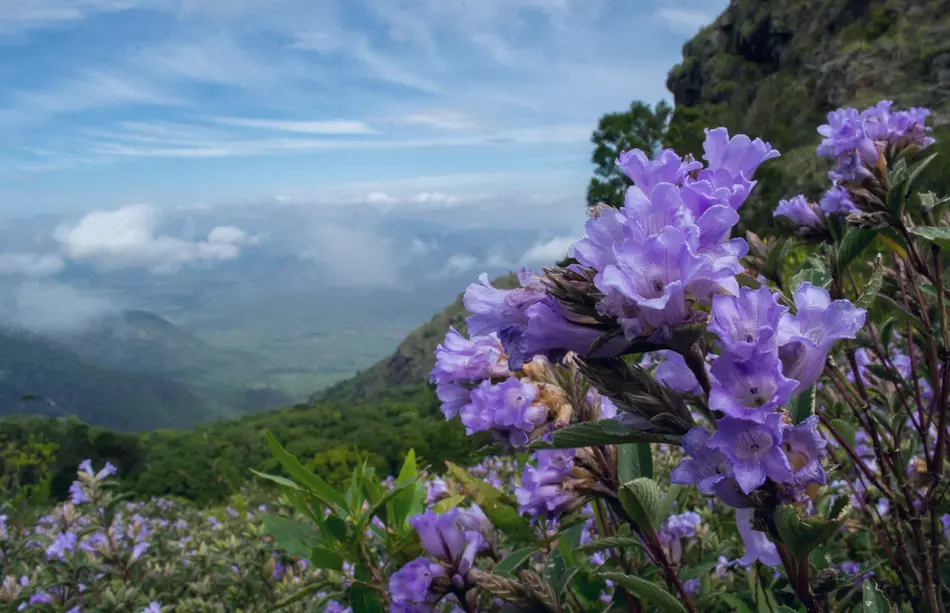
(774, 70)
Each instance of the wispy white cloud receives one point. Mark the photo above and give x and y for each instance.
(30, 264)
(352, 256)
(442, 119)
(547, 252)
(129, 237)
(300, 127)
(47, 306)
(458, 264)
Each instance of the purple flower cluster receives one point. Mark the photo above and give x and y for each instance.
(668, 248)
(542, 491)
(459, 362)
(451, 541)
(766, 355)
(675, 528)
(856, 140)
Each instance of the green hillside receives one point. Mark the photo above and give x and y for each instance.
(408, 367)
(774, 70)
(41, 377)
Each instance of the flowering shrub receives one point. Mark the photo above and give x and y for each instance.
(680, 423)
(706, 432)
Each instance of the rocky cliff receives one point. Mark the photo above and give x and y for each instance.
(774, 68)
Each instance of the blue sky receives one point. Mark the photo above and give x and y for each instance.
(186, 103)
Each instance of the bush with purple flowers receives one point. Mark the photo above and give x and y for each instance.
(671, 379)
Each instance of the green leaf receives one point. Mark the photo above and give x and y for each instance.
(603, 432)
(802, 405)
(853, 244)
(293, 537)
(918, 168)
(872, 600)
(397, 489)
(873, 287)
(610, 542)
(448, 503)
(776, 257)
(846, 430)
(884, 374)
(404, 503)
(668, 501)
(568, 542)
(317, 486)
(501, 509)
(634, 460)
(298, 596)
(736, 603)
(558, 573)
(321, 557)
(277, 479)
(802, 536)
(640, 498)
(514, 561)
(816, 277)
(362, 598)
(938, 235)
(647, 590)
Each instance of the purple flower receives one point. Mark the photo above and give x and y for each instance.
(747, 323)
(508, 409)
(41, 598)
(453, 397)
(436, 489)
(654, 278)
(447, 539)
(495, 309)
(851, 568)
(675, 374)
(459, 359)
(542, 492)
(806, 338)
(758, 547)
(751, 388)
(837, 200)
(412, 585)
(549, 332)
(138, 550)
(754, 450)
(64, 543)
(805, 447)
(76, 493)
(692, 586)
(800, 212)
(665, 167)
(153, 607)
(705, 466)
(335, 607)
(738, 155)
(682, 525)
(86, 467)
(846, 141)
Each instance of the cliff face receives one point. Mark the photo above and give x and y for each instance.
(774, 68)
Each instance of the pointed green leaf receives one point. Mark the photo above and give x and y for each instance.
(802, 536)
(404, 502)
(873, 287)
(640, 498)
(855, 241)
(362, 598)
(514, 561)
(293, 537)
(380, 505)
(634, 460)
(735, 602)
(298, 596)
(277, 479)
(846, 430)
(321, 557)
(872, 600)
(802, 405)
(448, 503)
(816, 277)
(647, 590)
(317, 486)
(938, 235)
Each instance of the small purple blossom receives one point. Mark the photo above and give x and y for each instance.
(746, 323)
(509, 410)
(665, 167)
(806, 337)
(495, 309)
(751, 388)
(754, 450)
(542, 492)
(411, 585)
(802, 213)
(758, 547)
(705, 466)
(837, 201)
